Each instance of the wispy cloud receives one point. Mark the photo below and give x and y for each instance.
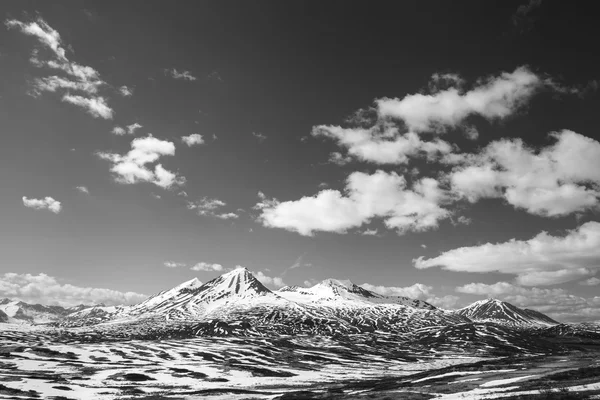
(261, 138)
(47, 203)
(95, 106)
(133, 167)
(215, 76)
(172, 264)
(83, 189)
(211, 208)
(133, 127)
(185, 75)
(193, 139)
(80, 78)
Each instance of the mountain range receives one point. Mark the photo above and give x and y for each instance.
(236, 303)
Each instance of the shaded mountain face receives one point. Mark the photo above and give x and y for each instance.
(493, 310)
(18, 312)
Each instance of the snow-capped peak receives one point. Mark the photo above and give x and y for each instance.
(494, 310)
(240, 281)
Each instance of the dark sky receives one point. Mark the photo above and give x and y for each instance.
(276, 69)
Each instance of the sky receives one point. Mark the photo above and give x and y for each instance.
(445, 151)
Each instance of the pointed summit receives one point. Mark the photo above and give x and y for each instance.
(494, 310)
(239, 281)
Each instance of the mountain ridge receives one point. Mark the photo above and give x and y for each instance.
(236, 302)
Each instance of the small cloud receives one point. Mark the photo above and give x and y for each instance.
(126, 91)
(182, 193)
(207, 267)
(215, 76)
(133, 127)
(156, 196)
(424, 246)
(47, 203)
(185, 75)
(82, 189)
(192, 139)
(323, 185)
(214, 136)
(590, 282)
(132, 167)
(261, 138)
(227, 216)
(369, 232)
(117, 130)
(172, 264)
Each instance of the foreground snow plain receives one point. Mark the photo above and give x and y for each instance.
(34, 365)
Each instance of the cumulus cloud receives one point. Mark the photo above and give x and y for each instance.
(95, 106)
(133, 127)
(380, 195)
(559, 179)
(79, 78)
(185, 75)
(193, 139)
(269, 281)
(417, 291)
(133, 166)
(45, 289)
(210, 208)
(379, 144)
(204, 266)
(82, 189)
(590, 282)
(126, 91)
(557, 303)
(392, 131)
(542, 260)
(172, 264)
(47, 203)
